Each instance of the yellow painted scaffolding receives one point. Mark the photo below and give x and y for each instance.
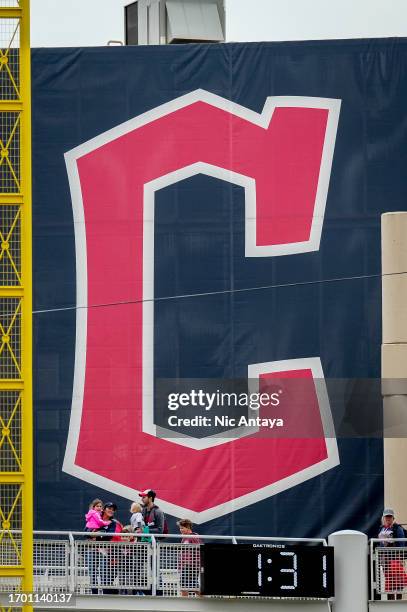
(16, 452)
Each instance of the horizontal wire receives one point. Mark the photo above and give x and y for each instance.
(223, 292)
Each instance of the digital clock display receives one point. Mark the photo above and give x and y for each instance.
(267, 570)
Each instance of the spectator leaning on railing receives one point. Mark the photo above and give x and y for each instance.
(393, 568)
(189, 560)
(107, 555)
(390, 529)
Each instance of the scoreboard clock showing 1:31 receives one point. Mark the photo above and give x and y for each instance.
(267, 570)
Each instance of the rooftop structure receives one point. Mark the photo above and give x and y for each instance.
(160, 22)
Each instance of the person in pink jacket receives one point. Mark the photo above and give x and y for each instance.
(94, 516)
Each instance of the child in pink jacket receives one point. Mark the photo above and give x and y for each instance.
(93, 517)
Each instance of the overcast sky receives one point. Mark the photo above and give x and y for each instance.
(59, 23)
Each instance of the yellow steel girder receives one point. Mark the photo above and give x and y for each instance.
(16, 444)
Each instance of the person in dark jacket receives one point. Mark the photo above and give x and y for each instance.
(392, 564)
(98, 558)
(390, 530)
(153, 516)
(109, 555)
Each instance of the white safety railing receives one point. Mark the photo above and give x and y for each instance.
(178, 568)
(388, 569)
(112, 567)
(77, 562)
(52, 565)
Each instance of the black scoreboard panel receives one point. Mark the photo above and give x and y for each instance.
(267, 570)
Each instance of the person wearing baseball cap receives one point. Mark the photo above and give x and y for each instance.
(104, 564)
(148, 493)
(393, 569)
(390, 530)
(388, 512)
(110, 505)
(109, 509)
(153, 516)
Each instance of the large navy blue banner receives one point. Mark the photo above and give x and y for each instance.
(206, 216)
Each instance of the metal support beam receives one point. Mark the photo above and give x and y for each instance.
(16, 447)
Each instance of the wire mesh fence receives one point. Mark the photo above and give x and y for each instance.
(10, 151)
(9, 55)
(10, 338)
(10, 584)
(51, 566)
(178, 567)
(89, 564)
(10, 521)
(10, 245)
(391, 570)
(10, 431)
(112, 567)
(97, 567)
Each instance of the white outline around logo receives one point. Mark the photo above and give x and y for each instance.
(251, 250)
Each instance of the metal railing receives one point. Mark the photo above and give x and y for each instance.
(74, 562)
(388, 569)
